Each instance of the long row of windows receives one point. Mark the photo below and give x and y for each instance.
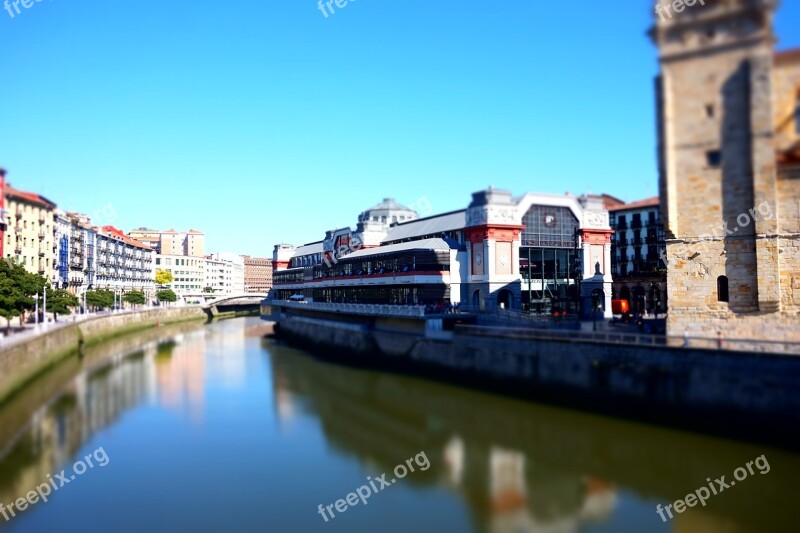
(385, 295)
(421, 261)
(295, 275)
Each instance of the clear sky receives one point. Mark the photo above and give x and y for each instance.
(262, 121)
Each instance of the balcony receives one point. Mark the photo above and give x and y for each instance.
(42, 253)
(654, 223)
(18, 213)
(636, 224)
(17, 250)
(41, 235)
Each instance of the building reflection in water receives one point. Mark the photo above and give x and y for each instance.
(180, 372)
(513, 466)
(225, 343)
(520, 466)
(170, 373)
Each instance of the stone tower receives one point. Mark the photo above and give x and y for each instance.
(718, 174)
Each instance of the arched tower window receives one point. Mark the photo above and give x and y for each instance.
(722, 289)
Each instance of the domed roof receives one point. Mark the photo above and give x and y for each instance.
(388, 210)
(389, 203)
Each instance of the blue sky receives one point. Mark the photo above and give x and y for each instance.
(263, 121)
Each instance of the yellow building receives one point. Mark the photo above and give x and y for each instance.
(29, 238)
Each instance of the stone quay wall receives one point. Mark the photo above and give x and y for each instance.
(716, 390)
(22, 361)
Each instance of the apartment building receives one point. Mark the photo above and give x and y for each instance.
(29, 234)
(233, 271)
(638, 249)
(120, 263)
(257, 274)
(172, 242)
(74, 243)
(188, 276)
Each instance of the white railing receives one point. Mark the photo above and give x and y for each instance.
(610, 337)
(410, 311)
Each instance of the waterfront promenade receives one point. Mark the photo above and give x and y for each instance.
(26, 355)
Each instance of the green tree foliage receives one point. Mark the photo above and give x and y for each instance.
(134, 298)
(99, 299)
(17, 288)
(164, 277)
(59, 301)
(167, 295)
(208, 290)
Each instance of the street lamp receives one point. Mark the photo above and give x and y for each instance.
(578, 270)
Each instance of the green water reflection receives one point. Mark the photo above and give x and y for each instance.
(213, 428)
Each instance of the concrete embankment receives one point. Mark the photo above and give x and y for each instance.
(751, 395)
(20, 362)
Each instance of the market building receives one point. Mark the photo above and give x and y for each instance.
(535, 252)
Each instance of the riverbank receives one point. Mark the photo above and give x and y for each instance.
(738, 394)
(23, 361)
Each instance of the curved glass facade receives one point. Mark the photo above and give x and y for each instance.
(547, 260)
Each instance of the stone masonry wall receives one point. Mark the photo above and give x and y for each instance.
(738, 219)
(19, 363)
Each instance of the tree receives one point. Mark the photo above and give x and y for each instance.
(134, 298)
(17, 288)
(167, 295)
(9, 295)
(208, 290)
(99, 299)
(164, 277)
(59, 301)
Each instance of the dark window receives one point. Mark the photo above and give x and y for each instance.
(710, 110)
(714, 158)
(722, 289)
(797, 114)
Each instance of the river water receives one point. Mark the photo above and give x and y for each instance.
(214, 428)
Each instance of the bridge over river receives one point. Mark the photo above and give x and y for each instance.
(239, 304)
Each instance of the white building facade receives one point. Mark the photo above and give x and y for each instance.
(119, 263)
(538, 253)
